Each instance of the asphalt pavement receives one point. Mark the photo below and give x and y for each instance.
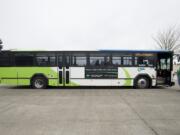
(110, 111)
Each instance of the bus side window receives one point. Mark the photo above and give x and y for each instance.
(136, 61)
(24, 60)
(42, 60)
(97, 61)
(107, 61)
(45, 59)
(81, 61)
(67, 61)
(60, 61)
(127, 61)
(116, 60)
(144, 61)
(4, 59)
(52, 61)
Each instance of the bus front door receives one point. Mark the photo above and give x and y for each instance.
(164, 69)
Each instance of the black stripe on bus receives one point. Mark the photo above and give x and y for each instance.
(108, 78)
(21, 78)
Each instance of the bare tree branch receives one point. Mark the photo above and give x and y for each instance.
(168, 39)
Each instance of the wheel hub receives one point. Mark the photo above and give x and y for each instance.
(39, 83)
(142, 83)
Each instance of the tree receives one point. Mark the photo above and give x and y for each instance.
(1, 46)
(168, 39)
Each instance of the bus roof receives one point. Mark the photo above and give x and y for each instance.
(153, 51)
(133, 51)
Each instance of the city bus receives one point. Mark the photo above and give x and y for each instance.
(40, 69)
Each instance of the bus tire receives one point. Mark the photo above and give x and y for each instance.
(39, 82)
(142, 82)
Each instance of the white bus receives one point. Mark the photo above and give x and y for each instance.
(39, 69)
(176, 59)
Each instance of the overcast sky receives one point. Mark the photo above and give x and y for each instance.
(84, 24)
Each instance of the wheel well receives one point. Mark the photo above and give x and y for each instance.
(39, 75)
(143, 75)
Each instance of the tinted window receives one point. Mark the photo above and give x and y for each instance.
(144, 60)
(97, 61)
(60, 61)
(52, 60)
(42, 60)
(24, 60)
(116, 60)
(67, 60)
(165, 64)
(45, 60)
(127, 61)
(79, 61)
(108, 61)
(4, 59)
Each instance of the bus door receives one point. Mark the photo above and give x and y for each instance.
(164, 68)
(63, 70)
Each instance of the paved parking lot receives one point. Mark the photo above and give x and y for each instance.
(89, 111)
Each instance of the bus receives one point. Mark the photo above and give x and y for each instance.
(40, 69)
(176, 59)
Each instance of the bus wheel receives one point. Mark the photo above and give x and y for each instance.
(39, 82)
(142, 82)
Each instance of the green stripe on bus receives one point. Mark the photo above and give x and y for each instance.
(17, 75)
(128, 82)
(26, 72)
